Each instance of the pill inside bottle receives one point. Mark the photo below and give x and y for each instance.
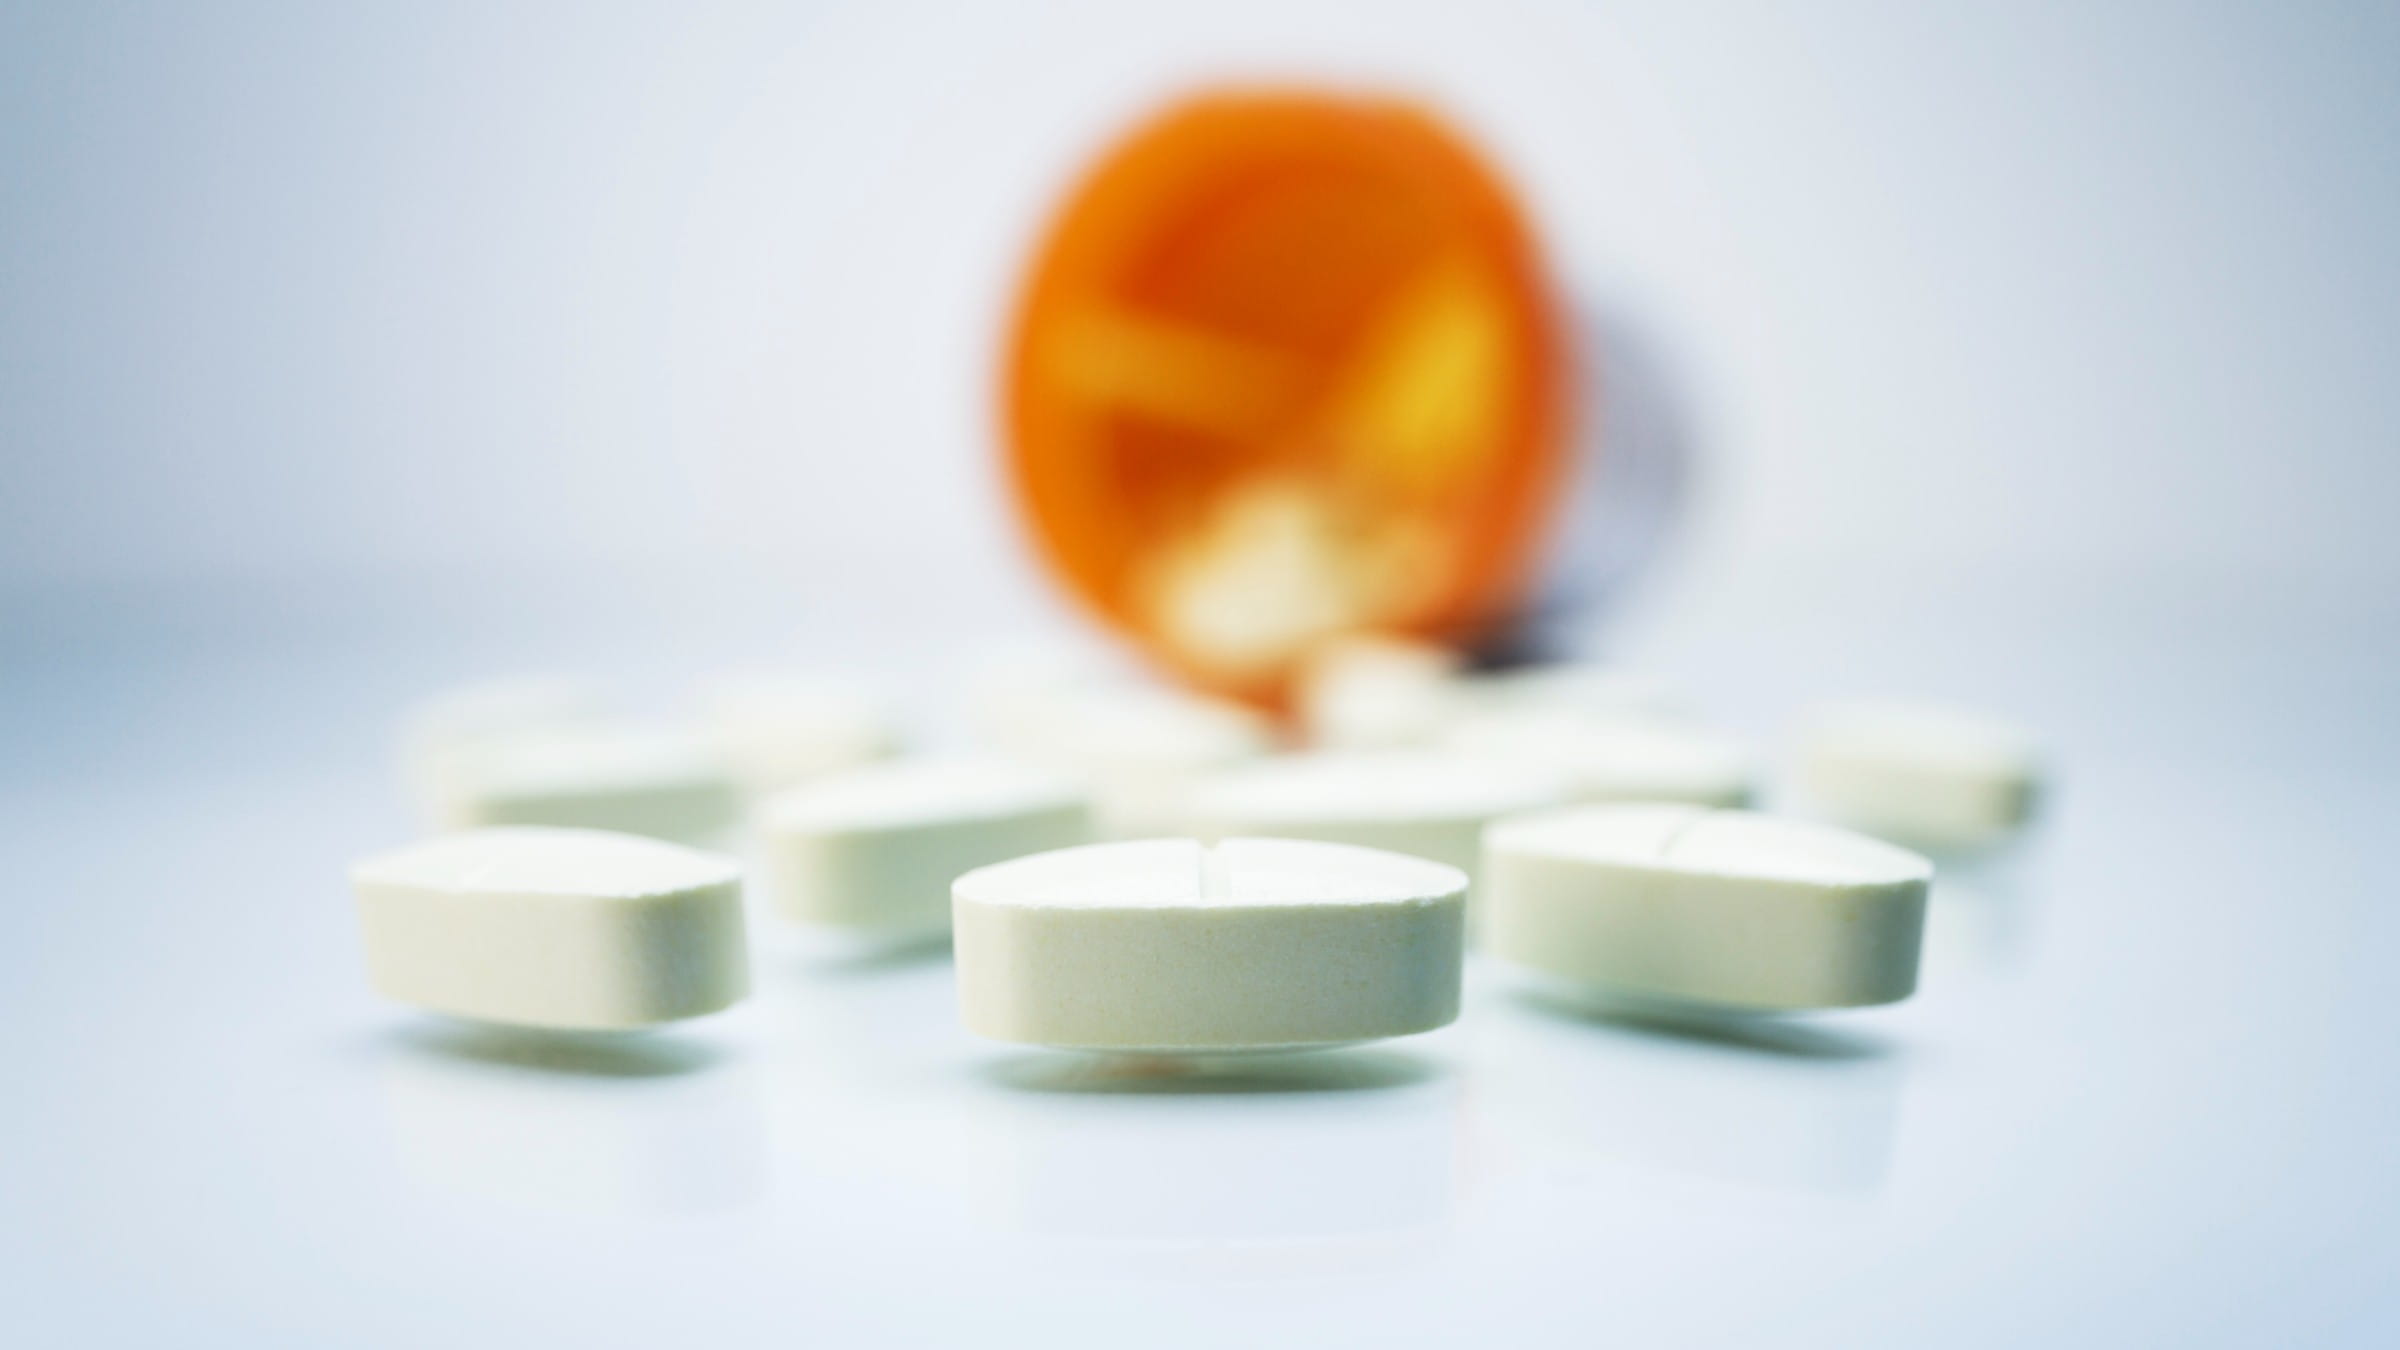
(1288, 366)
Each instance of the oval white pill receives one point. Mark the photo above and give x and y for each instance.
(662, 784)
(1724, 908)
(1610, 760)
(1427, 803)
(1142, 749)
(554, 928)
(1169, 945)
(475, 717)
(1921, 774)
(874, 849)
(776, 731)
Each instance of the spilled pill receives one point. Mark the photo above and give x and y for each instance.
(873, 850)
(1587, 688)
(1142, 749)
(571, 929)
(1427, 803)
(775, 731)
(1169, 946)
(1611, 760)
(658, 783)
(1696, 907)
(459, 722)
(1919, 774)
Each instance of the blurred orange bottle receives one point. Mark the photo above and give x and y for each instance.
(1288, 366)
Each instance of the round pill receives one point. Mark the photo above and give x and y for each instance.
(1611, 760)
(1721, 908)
(1422, 802)
(575, 929)
(873, 850)
(1919, 774)
(662, 784)
(1173, 946)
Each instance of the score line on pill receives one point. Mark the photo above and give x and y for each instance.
(1700, 908)
(1170, 946)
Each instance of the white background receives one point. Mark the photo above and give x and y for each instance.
(2032, 355)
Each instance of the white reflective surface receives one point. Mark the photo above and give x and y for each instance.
(2146, 1097)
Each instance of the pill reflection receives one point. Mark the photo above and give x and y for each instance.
(574, 1124)
(1281, 1164)
(1778, 1104)
(1980, 919)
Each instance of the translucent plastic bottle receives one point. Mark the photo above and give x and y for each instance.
(1289, 366)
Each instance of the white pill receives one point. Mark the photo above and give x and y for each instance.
(1592, 689)
(1920, 774)
(1427, 803)
(1169, 945)
(478, 716)
(1723, 908)
(576, 929)
(1612, 760)
(1019, 701)
(1142, 749)
(663, 784)
(873, 850)
(1377, 693)
(776, 731)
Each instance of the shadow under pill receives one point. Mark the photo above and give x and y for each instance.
(1761, 1101)
(865, 960)
(1764, 1033)
(1202, 1075)
(595, 1054)
(1342, 1160)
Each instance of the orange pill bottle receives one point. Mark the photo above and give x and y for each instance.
(1288, 367)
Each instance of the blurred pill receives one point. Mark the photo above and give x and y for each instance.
(1692, 907)
(776, 731)
(477, 716)
(873, 850)
(1920, 774)
(1587, 688)
(665, 784)
(1612, 760)
(1165, 946)
(572, 929)
(1141, 749)
(1427, 803)
(1377, 693)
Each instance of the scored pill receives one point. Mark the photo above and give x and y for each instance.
(1688, 905)
(570, 929)
(1163, 946)
(873, 850)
